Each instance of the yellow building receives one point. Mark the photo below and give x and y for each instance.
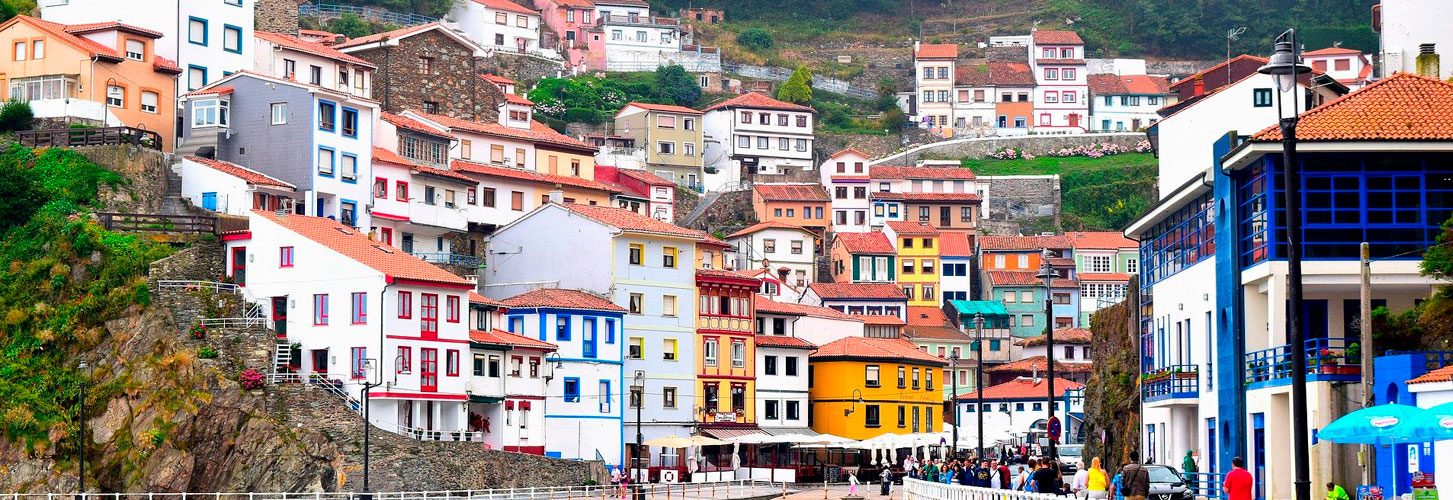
(725, 350)
(918, 262)
(671, 137)
(861, 387)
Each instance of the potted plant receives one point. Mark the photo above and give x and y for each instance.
(1353, 354)
(198, 330)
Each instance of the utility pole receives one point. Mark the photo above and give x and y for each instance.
(979, 377)
(1047, 272)
(81, 449)
(1364, 327)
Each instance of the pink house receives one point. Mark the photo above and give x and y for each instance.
(568, 23)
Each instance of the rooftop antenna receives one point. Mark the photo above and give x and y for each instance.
(1231, 36)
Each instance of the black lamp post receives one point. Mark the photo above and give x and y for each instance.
(1285, 65)
(953, 360)
(640, 382)
(979, 377)
(1047, 273)
(367, 424)
(81, 446)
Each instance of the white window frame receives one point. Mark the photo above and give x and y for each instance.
(279, 112)
(149, 101)
(115, 96)
(140, 53)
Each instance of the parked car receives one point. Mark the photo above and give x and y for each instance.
(1071, 458)
(1166, 483)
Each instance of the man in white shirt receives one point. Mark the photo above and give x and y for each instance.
(1077, 485)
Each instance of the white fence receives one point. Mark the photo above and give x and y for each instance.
(721, 490)
(914, 489)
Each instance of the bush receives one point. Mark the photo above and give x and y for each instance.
(755, 39)
(583, 115)
(207, 353)
(16, 116)
(251, 379)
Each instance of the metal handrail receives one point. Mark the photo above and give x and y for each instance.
(914, 489)
(320, 9)
(740, 488)
(1324, 356)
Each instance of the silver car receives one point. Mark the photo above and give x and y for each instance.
(1166, 483)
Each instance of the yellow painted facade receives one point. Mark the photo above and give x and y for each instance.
(846, 403)
(919, 268)
(726, 349)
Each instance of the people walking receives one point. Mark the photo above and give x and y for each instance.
(1004, 476)
(1238, 482)
(1135, 479)
(1046, 479)
(1077, 484)
(1097, 482)
(1336, 492)
(887, 477)
(852, 485)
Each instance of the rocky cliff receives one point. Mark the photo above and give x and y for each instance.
(1112, 397)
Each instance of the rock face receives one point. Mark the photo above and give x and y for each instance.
(277, 16)
(1112, 398)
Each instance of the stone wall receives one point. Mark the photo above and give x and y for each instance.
(453, 87)
(522, 68)
(979, 147)
(1022, 204)
(277, 16)
(146, 173)
(728, 212)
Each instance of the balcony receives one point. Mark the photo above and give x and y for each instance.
(448, 259)
(1176, 383)
(1328, 360)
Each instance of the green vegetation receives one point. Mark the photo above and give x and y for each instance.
(62, 277)
(755, 39)
(1105, 193)
(347, 24)
(798, 87)
(677, 85)
(1428, 325)
(588, 99)
(16, 116)
(1112, 397)
(431, 8)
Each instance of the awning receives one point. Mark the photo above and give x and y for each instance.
(989, 308)
(475, 398)
(731, 432)
(778, 431)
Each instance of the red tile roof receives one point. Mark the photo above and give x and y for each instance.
(1053, 242)
(647, 178)
(1061, 336)
(411, 124)
(937, 51)
(926, 316)
(1103, 84)
(856, 151)
(952, 244)
(784, 341)
(58, 30)
(879, 319)
(497, 79)
(476, 298)
(970, 198)
(470, 167)
(1025, 278)
(313, 48)
(507, 6)
(872, 291)
(1057, 37)
(387, 35)
(668, 108)
(390, 261)
(538, 133)
(935, 332)
(501, 337)
(756, 100)
(560, 298)
(386, 156)
(1444, 374)
(771, 224)
(891, 172)
(769, 306)
(246, 174)
(627, 220)
(1001, 73)
(439, 172)
(792, 192)
(1100, 240)
(78, 29)
(1332, 51)
(1036, 363)
(518, 100)
(855, 348)
(866, 243)
(217, 90)
(1215, 77)
(1402, 107)
(1120, 277)
(912, 228)
(729, 277)
(1024, 388)
(165, 65)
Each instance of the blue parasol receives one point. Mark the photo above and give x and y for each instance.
(1388, 424)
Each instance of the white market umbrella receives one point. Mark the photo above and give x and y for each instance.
(703, 441)
(670, 442)
(736, 456)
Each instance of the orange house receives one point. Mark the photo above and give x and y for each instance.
(1018, 253)
(98, 73)
(805, 205)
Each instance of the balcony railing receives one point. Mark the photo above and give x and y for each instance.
(1204, 484)
(448, 259)
(1328, 360)
(1171, 382)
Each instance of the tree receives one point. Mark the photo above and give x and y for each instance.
(350, 25)
(676, 84)
(16, 116)
(798, 88)
(1438, 260)
(20, 195)
(755, 39)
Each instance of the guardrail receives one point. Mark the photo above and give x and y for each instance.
(747, 488)
(158, 223)
(1204, 484)
(98, 136)
(1327, 360)
(1171, 382)
(252, 313)
(449, 259)
(326, 10)
(914, 489)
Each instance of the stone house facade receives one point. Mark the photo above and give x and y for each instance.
(428, 68)
(276, 16)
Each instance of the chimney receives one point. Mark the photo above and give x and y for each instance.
(1428, 60)
(1198, 86)
(915, 47)
(557, 196)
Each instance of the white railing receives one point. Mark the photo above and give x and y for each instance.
(252, 311)
(914, 489)
(421, 434)
(722, 489)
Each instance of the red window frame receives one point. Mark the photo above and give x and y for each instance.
(471, 195)
(406, 360)
(406, 305)
(451, 363)
(380, 183)
(320, 309)
(518, 363)
(401, 190)
(451, 312)
(360, 308)
(359, 362)
(428, 369)
(429, 315)
(285, 256)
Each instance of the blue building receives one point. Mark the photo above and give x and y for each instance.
(1376, 166)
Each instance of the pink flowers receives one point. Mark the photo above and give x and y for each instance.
(251, 379)
(1093, 150)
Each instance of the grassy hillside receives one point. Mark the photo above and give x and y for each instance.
(1105, 193)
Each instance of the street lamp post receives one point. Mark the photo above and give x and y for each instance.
(1047, 272)
(368, 363)
(81, 446)
(640, 382)
(953, 360)
(979, 377)
(1285, 65)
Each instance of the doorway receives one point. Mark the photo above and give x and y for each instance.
(239, 265)
(280, 315)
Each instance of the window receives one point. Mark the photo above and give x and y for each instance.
(1051, 74)
(636, 251)
(1051, 97)
(764, 142)
(426, 65)
(197, 31)
(359, 362)
(517, 201)
(769, 365)
(668, 305)
(350, 168)
(43, 87)
(739, 354)
(232, 39)
(636, 348)
(1261, 98)
(796, 247)
(769, 245)
(870, 416)
(1067, 74)
(406, 305)
(791, 366)
(870, 376)
(452, 312)
(1100, 263)
(360, 308)
(926, 266)
(326, 116)
(635, 303)
(116, 96)
(451, 363)
(572, 390)
(315, 75)
(285, 257)
(325, 162)
(783, 143)
(1023, 261)
(666, 148)
(428, 314)
(908, 266)
(320, 309)
(350, 122)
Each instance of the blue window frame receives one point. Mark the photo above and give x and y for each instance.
(209, 201)
(610, 331)
(196, 77)
(572, 389)
(360, 308)
(604, 396)
(562, 327)
(348, 168)
(348, 212)
(516, 325)
(588, 337)
(327, 162)
(350, 122)
(232, 39)
(971, 408)
(234, 3)
(197, 31)
(994, 345)
(327, 115)
(1183, 239)
(1018, 406)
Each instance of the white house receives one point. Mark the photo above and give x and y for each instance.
(508, 419)
(811, 324)
(871, 299)
(845, 175)
(648, 268)
(332, 291)
(1348, 66)
(1014, 412)
(583, 421)
(782, 367)
(752, 134)
(290, 58)
(1061, 96)
(1120, 103)
(208, 39)
(230, 188)
(1408, 28)
(955, 256)
(499, 25)
(933, 68)
(777, 246)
